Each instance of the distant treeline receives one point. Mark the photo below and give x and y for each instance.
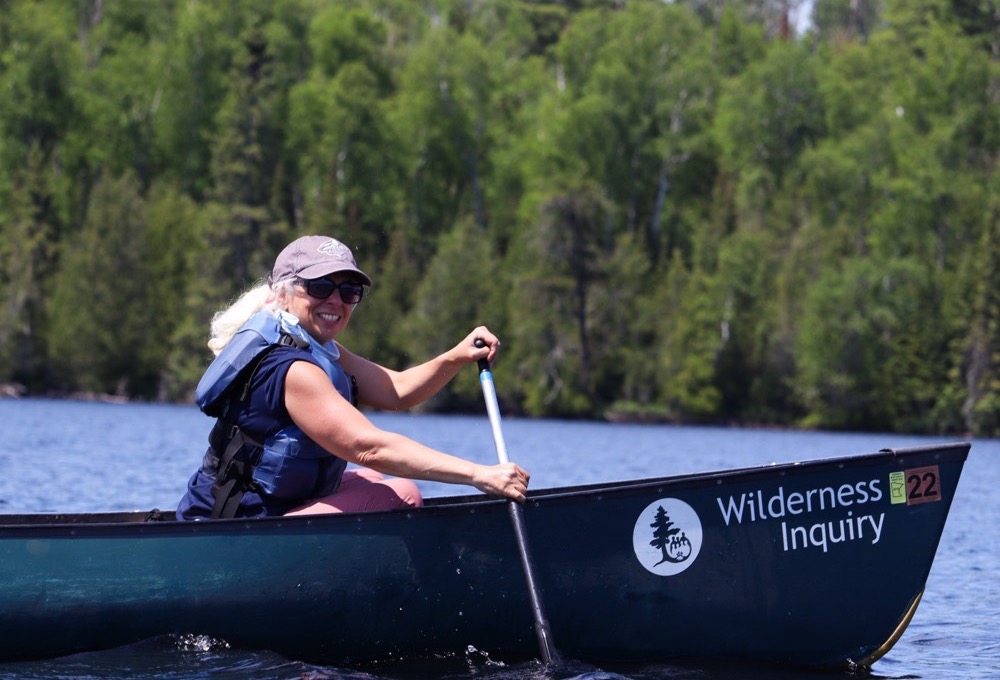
(682, 211)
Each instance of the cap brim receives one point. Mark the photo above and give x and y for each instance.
(319, 270)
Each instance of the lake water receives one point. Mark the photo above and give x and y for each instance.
(68, 456)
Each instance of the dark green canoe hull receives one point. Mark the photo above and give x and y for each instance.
(819, 563)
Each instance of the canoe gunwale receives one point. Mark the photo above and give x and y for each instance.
(161, 522)
(142, 521)
(952, 451)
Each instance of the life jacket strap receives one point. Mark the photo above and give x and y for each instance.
(233, 475)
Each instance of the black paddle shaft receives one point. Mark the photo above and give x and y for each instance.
(542, 630)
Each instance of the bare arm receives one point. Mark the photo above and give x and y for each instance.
(384, 388)
(329, 420)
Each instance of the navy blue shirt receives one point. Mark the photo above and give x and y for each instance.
(261, 415)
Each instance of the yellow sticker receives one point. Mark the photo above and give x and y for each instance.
(897, 487)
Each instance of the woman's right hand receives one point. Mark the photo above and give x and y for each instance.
(507, 480)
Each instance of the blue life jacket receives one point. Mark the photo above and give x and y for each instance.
(287, 465)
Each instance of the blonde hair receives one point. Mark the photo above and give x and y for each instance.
(262, 296)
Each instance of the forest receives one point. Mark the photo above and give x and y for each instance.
(699, 211)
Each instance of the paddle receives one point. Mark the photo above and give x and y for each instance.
(492, 408)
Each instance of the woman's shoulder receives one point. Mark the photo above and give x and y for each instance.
(269, 378)
(287, 354)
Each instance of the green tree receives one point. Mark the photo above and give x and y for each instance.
(119, 89)
(103, 346)
(442, 114)
(970, 400)
(842, 20)
(622, 330)
(551, 300)
(765, 120)
(689, 338)
(25, 261)
(461, 289)
(39, 61)
(193, 67)
(245, 235)
(339, 138)
(859, 353)
(651, 85)
(173, 234)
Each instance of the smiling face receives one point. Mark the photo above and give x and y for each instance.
(322, 319)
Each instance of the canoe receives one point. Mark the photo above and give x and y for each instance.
(818, 563)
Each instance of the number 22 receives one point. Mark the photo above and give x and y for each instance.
(923, 486)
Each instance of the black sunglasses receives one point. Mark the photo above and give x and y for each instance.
(350, 292)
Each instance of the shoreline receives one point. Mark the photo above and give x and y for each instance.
(612, 416)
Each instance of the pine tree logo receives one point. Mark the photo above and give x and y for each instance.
(667, 537)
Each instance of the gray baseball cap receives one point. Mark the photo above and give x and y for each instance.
(311, 257)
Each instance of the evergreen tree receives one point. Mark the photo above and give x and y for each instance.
(459, 291)
(25, 261)
(105, 345)
(245, 237)
(192, 66)
(339, 138)
(551, 300)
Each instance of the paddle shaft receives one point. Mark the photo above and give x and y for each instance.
(545, 644)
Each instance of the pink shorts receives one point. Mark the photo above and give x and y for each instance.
(364, 490)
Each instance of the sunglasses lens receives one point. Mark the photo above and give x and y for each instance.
(351, 293)
(321, 289)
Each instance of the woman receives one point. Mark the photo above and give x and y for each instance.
(282, 389)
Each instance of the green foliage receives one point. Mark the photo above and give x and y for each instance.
(689, 337)
(26, 261)
(770, 114)
(665, 210)
(102, 326)
(191, 70)
(174, 225)
(561, 263)
(39, 61)
(840, 20)
(864, 359)
(458, 292)
(737, 43)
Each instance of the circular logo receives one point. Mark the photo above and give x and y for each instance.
(667, 537)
